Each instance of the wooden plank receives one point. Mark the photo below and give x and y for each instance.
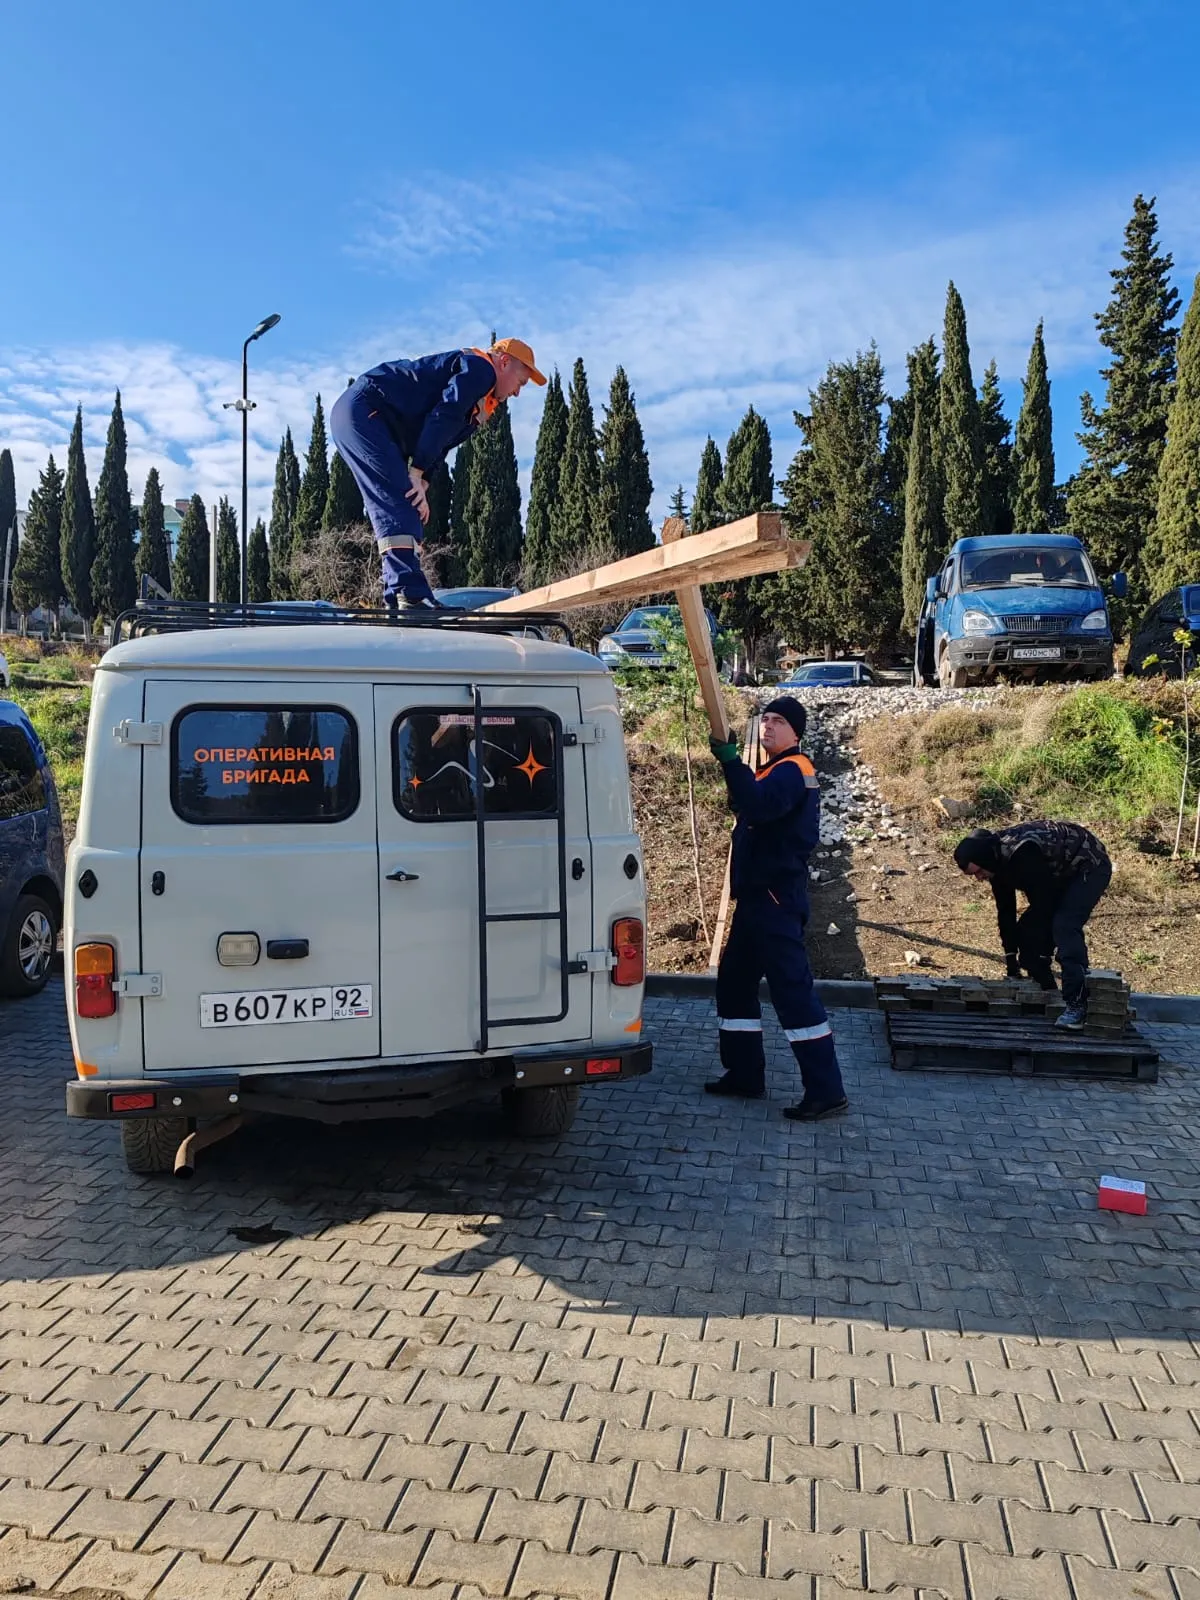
(756, 539)
(750, 757)
(699, 638)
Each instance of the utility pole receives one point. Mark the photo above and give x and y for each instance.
(8, 544)
(212, 558)
(245, 405)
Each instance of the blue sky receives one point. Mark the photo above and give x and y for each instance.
(721, 198)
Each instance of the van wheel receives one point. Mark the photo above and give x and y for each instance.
(951, 677)
(540, 1113)
(28, 952)
(149, 1143)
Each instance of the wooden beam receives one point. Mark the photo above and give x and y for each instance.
(699, 637)
(714, 556)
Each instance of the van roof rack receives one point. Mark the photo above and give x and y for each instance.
(182, 616)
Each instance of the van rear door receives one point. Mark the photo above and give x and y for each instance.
(258, 875)
(450, 982)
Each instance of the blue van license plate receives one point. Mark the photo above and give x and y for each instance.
(1037, 652)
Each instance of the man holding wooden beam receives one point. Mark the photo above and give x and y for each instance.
(777, 829)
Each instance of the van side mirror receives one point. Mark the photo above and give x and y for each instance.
(931, 590)
(1120, 585)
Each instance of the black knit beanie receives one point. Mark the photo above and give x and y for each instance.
(790, 709)
(978, 849)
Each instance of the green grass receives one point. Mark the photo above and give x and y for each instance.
(60, 716)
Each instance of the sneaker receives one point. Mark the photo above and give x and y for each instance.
(729, 1085)
(1073, 1017)
(810, 1110)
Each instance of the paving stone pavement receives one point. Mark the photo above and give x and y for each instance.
(691, 1352)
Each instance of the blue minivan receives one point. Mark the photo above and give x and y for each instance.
(1019, 606)
(31, 857)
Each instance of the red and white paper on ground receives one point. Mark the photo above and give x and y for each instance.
(1123, 1194)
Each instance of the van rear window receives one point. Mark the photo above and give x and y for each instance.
(434, 765)
(264, 764)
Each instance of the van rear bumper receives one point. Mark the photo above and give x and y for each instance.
(354, 1095)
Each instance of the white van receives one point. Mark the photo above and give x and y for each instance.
(288, 893)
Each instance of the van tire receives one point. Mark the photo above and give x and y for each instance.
(541, 1113)
(951, 677)
(26, 959)
(149, 1144)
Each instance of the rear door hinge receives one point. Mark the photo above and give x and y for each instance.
(139, 985)
(138, 732)
(592, 961)
(583, 733)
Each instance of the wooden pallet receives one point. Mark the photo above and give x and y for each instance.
(1024, 1047)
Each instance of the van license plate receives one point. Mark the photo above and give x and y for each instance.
(247, 1008)
(1037, 652)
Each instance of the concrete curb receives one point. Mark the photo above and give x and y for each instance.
(858, 994)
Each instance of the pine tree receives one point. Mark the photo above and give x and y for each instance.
(8, 517)
(189, 578)
(1174, 556)
(677, 505)
(847, 593)
(623, 501)
(1033, 457)
(706, 510)
(229, 555)
(114, 588)
(258, 565)
(924, 532)
(153, 554)
(459, 558)
(78, 528)
(314, 485)
(996, 432)
(494, 503)
(747, 485)
(573, 521)
(543, 490)
(343, 499)
(1114, 497)
(37, 576)
(284, 502)
(960, 443)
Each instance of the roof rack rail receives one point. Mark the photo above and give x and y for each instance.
(182, 616)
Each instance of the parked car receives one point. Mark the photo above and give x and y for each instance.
(1022, 606)
(31, 857)
(635, 638)
(4, 677)
(469, 599)
(1154, 637)
(830, 674)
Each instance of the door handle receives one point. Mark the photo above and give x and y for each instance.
(400, 876)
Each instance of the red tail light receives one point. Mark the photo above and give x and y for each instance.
(603, 1066)
(94, 967)
(629, 947)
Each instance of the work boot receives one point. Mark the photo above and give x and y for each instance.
(1074, 1017)
(730, 1086)
(811, 1109)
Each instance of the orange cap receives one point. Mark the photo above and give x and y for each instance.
(522, 352)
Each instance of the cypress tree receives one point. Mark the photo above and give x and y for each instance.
(1114, 497)
(114, 587)
(677, 504)
(258, 565)
(438, 548)
(706, 510)
(623, 501)
(573, 521)
(343, 499)
(229, 555)
(78, 528)
(314, 485)
(153, 555)
(1174, 556)
(37, 576)
(924, 536)
(8, 517)
(494, 503)
(960, 441)
(1033, 458)
(747, 485)
(543, 490)
(189, 578)
(459, 558)
(996, 432)
(284, 501)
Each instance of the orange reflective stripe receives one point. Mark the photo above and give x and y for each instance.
(489, 402)
(805, 765)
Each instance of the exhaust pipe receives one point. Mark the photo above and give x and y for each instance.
(185, 1156)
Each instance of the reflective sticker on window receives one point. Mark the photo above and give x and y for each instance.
(264, 764)
(434, 765)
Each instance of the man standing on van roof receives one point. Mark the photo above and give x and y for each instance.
(398, 422)
(778, 826)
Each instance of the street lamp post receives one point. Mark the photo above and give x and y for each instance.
(245, 405)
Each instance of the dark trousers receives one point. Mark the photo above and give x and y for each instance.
(359, 427)
(766, 940)
(1043, 930)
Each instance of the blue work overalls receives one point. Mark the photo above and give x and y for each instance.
(778, 823)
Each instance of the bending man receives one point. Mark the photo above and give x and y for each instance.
(1062, 870)
(398, 422)
(777, 828)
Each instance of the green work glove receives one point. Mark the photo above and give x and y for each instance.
(723, 749)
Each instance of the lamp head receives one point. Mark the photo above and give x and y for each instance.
(264, 326)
